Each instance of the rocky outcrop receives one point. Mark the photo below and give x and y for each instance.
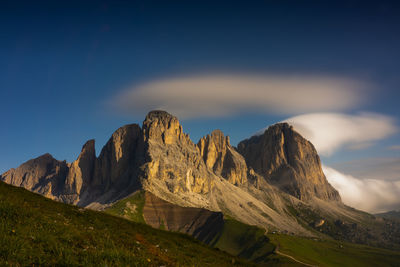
(113, 175)
(162, 128)
(158, 156)
(79, 173)
(118, 166)
(172, 158)
(290, 162)
(200, 223)
(222, 158)
(44, 175)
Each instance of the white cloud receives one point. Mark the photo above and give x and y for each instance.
(371, 195)
(330, 131)
(372, 168)
(226, 95)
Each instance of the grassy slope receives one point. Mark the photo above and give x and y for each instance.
(38, 231)
(250, 242)
(334, 253)
(130, 208)
(236, 238)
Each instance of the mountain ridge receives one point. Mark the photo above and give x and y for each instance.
(273, 181)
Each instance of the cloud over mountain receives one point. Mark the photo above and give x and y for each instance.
(330, 131)
(371, 168)
(372, 195)
(225, 95)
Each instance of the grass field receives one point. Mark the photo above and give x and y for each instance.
(38, 231)
(130, 208)
(246, 241)
(333, 253)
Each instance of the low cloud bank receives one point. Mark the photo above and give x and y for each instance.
(371, 195)
(225, 95)
(372, 168)
(331, 131)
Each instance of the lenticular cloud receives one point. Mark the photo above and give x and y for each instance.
(370, 195)
(227, 95)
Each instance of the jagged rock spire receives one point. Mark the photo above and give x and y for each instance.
(222, 158)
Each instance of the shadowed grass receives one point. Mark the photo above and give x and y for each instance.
(38, 231)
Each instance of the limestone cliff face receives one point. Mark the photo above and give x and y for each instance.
(172, 158)
(119, 158)
(222, 158)
(79, 174)
(44, 175)
(162, 128)
(285, 159)
(116, 170)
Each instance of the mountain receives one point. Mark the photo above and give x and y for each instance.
(44, 175)
(288, 161)
(273, 181)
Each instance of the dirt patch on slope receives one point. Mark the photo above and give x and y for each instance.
(200, 223)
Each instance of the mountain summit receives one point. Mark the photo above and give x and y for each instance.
(290, 162)
(273, 180)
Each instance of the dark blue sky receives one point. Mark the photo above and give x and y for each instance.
(62, 61)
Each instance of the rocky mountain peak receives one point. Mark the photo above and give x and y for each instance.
(43, 174)
(80, 173)
(159, 115)
(219, 138)
(174, 161)
(88, 147)
(222, 158)
(46, 156)
(119, 156)
(286, 159)
(162, 126)
(88, 153)
(122, 141)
